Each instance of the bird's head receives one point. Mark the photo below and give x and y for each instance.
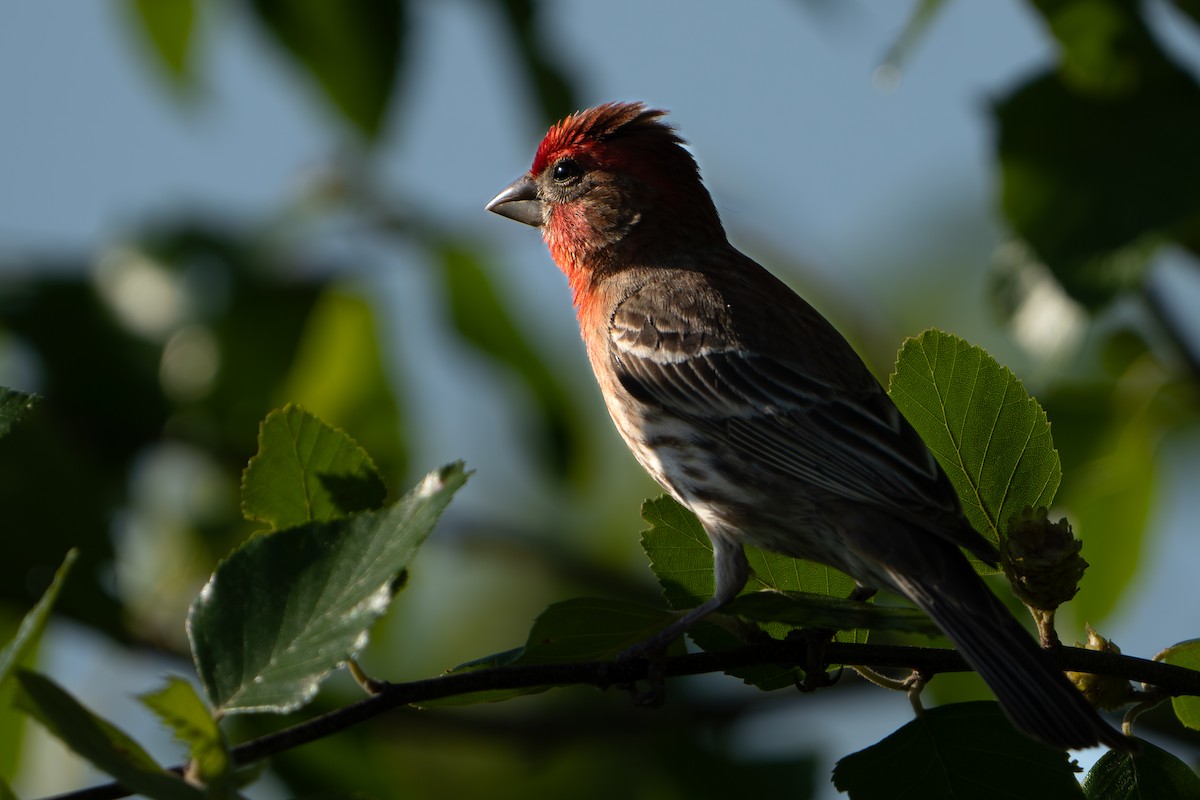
(609, 182)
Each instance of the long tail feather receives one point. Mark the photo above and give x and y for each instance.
(1031, 688)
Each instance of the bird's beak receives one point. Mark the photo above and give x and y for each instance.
(519, 201)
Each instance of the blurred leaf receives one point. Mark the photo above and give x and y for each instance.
(989, 435)
(14, 406)
(338, 373)
(1151, 774)
(1107, 48)
(805, 610)
(919, 20)
(97, 740)
(351, 48)
(1189, 7)
(307, 471)
(484, 320)
(284, 610)
(1094, 182)
(168, 27)
(551, 87)
(20, 653)
(1108, 500)
(182, 710)
(1185, 654)
(966, 750)
(6, 792)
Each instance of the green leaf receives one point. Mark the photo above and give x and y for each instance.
(339, 374)
(581, 629)
(590, 629)
(14, 406)
(485, 321)
(284, 610)
(182, 710)
(805, 610)
(1108, 499)
(549, 81)
(680, 555)
(1189, 7)
(19, 653)
(1151, 774)
(307, 471)
(1185, 654)
(1106, 46)
(1094, 183)
(989, 435)
(6, 792)
(965, 750)
(351, 48)
(681, 558)
(168, 27)
(98, 740)
(502, 659)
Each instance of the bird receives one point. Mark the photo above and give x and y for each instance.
(754, 412)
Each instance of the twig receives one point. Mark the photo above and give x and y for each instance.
(1169, 679)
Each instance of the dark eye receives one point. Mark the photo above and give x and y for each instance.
(566, 170)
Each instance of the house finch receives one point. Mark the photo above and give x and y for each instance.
(754, 412)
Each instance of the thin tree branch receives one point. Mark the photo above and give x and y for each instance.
(1169, 679)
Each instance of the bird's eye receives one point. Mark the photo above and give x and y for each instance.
(566, 170)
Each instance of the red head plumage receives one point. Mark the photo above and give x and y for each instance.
(586, 132)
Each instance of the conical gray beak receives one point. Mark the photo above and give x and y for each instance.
(519, 201)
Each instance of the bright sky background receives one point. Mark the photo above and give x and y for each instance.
(799, 145)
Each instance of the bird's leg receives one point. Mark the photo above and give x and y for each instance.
(731, 571)
(815, 676)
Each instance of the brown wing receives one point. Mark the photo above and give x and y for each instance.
(839, 434)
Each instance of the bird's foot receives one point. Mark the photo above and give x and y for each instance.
(654, 652)
(815, 675)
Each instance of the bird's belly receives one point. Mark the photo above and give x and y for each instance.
(732, 498)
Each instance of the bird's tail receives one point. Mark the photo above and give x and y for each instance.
(1032, 690)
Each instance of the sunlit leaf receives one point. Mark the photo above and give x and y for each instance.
(284, 610)
(1151, 774)
(965, 750)
(19, 652)
(352, 49)
(339, 374)
(182, 710)
(307, 471)
(1185, 654)
(98, 740)
(988, 434)
(1108, 501)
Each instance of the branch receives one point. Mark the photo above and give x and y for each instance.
(1169, 679)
